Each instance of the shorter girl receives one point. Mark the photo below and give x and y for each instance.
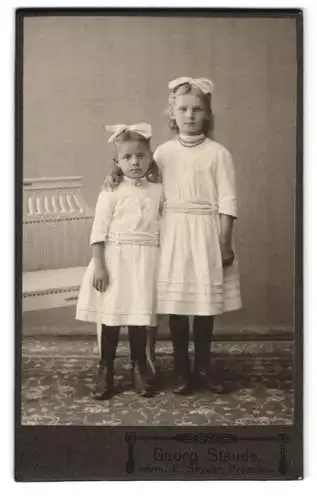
(119, 285)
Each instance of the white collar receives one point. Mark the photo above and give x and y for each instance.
(141, 182)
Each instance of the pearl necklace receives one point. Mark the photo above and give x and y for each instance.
(191, 141)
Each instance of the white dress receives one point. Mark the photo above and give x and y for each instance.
(199, 184)
(127, 220)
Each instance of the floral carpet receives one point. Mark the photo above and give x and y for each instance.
(58, 379)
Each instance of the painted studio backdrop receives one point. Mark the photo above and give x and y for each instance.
(81, 73)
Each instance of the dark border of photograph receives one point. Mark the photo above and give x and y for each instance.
(59, 453)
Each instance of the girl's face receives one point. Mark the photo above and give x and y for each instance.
(190, 113)
(134, 158)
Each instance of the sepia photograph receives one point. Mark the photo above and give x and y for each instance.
(159, 172)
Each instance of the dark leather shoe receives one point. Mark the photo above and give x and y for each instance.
(182, 386)
(140, 383)
(104, 386)
(204, 380)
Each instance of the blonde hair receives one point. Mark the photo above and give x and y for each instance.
(188, 88)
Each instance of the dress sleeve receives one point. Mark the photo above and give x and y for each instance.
(157, 156)
(226, 181)
(103, 216)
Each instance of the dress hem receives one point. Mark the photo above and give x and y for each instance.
(117, 319)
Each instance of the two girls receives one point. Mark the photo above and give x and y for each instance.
(197, 270)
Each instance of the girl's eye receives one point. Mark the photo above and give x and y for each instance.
(140, 156)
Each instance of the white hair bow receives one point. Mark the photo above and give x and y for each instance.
(143, 129)
(206, 86)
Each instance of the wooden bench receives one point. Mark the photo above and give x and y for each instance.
(56, 228)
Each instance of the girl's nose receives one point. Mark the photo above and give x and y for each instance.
(189, 113)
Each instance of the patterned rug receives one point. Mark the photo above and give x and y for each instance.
(58, 378)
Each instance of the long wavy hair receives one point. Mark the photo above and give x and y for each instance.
(184, 89)
(114, 179)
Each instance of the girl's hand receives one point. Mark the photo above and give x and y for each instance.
(227, 255)
(100, 279)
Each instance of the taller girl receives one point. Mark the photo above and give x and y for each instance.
(198, 273)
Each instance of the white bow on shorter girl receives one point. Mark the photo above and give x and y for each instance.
(143, 129)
